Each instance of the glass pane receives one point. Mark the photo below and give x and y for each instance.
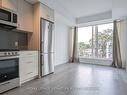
(8, 69)
(95, 41)
(5, 15)
(85, 41)
(105, 37)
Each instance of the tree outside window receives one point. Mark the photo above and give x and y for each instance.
(97, 41)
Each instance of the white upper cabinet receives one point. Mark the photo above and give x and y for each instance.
(25, 16)
(46, 12)
(9, 4)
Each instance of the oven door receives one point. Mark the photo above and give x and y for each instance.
(9, 68)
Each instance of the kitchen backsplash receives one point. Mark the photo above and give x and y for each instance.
(13, 40)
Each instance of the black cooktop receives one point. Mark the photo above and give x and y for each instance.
(1, 50)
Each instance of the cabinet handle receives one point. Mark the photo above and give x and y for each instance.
(30, 73)
(29, 62)
(30, 54)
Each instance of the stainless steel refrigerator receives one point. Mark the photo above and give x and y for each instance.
(47, 47)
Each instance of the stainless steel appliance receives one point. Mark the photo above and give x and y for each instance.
(8, 18)
(47, 47)
(9, 70)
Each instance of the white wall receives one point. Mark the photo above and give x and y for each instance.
(119, 9)
(95, 17)
(61, 40)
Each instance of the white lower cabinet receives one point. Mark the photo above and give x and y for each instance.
(28, 65)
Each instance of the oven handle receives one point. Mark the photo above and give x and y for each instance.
(10, 57)
(5, 83)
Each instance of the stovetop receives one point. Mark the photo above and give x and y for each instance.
(9, 52)
(4, 50)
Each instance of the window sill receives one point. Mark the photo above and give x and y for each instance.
(105, 59)
(98, 61)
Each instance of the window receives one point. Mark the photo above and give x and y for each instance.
(96, 41)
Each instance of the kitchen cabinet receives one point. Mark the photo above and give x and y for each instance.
(46, 12)
(24, 11)
(28, 65)
(25, 16)
(9, 4)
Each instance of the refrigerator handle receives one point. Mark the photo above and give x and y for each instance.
(42, 59)
(42, 45)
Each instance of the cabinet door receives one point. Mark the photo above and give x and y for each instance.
(10, 4)
(44, 12)
(51, 13)
(25, 19)
(47, 13)
(28, 68)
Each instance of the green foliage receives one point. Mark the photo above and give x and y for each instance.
(82, 45)
(103, 38)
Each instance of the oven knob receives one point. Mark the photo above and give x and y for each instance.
(5, 53)
(9, 53)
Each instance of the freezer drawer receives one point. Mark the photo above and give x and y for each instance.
(47, 63)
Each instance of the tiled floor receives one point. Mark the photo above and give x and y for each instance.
(77, 79)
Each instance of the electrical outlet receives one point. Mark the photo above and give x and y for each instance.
(16, 44)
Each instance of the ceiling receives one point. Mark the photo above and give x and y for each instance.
(81, 8)
(78, 8)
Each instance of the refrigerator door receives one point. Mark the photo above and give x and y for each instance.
(51, 38)
(47, 64)
(51, 63)
(47, 37)
(44, 36)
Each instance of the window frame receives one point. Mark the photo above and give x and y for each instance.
(95, 56)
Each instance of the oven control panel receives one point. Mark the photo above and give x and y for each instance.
(9, 53)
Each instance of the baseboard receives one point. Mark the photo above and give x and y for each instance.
(103, 62)
(27, 80)
(62, 63)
